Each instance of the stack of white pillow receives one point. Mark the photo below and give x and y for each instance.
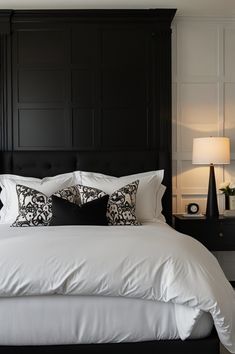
(148, 200)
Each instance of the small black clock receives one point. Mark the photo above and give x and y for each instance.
(192, 208)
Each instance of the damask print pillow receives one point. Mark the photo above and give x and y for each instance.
(71, 194)
(35, 208)
(121, 204)
(87, 194)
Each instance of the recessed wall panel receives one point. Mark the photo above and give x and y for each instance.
(196, 176)
(198, 112)
(83, 128)
(124, 128)
(124, 88)
(124, 48)
(41, 85)
(229, 52)
(45, 128)
(197, 49)
(85, 44)
(33, 48)
(83, 87)
(229, 94)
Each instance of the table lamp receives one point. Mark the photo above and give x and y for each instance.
(211, 151)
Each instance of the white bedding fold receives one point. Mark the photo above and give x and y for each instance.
(151, 262)
(59, 319)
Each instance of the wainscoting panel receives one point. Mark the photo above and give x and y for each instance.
(203, 70)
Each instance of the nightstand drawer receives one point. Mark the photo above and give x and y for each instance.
(216, 235)
(225, 236)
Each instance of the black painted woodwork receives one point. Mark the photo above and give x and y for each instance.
(215, 234)
(81, 75)
(5, 81)
(88, 81)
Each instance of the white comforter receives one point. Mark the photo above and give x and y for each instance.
(148, 262)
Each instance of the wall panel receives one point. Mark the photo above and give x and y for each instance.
(198, 112)
(34, 49)
(41, 85)
(83, 129)
(32, 121)
(229, 52)
(229, 112)
(203, 97)
(104, 79)
(203, 105)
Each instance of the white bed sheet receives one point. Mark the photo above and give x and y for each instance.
(58, 319)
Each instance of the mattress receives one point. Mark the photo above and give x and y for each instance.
(58, 319)
(87, 284)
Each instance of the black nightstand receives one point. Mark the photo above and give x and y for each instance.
(216, 235)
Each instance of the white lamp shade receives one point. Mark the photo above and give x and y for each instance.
(211, 150)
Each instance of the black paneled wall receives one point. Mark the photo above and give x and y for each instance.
(40, 88)
(87, 80)
(82, 87)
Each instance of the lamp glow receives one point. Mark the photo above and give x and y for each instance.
(211, 151)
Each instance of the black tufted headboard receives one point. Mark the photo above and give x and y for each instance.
(117, 163)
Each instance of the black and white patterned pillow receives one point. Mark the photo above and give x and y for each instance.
(71, 194)
(87, 194)
(35, 208)
(121, 204)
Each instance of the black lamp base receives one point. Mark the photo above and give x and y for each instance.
(212, 211)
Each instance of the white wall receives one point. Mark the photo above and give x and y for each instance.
(203, 105)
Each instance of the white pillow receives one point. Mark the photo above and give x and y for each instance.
(158, 216)
(47, 186)
(160, 194)
(147, 207)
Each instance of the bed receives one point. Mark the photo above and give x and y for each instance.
(96, 312)
(118, 127)
(60, 313)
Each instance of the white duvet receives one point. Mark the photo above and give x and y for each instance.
(152, 262)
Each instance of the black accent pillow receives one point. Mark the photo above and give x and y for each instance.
(91, 213)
